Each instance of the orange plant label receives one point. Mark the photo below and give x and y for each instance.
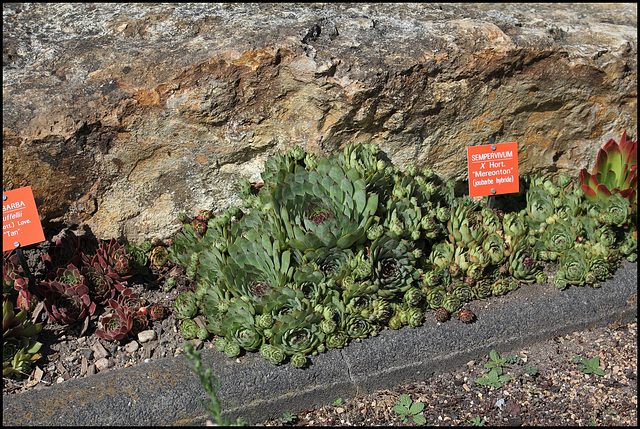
(20, 221)
(493, 169)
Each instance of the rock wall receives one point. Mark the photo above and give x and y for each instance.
(121, 116)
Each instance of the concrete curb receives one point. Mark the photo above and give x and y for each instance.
(167, 392)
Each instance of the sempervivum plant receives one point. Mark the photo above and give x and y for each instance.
(326, 207)
(66, 304)
(116, 325)
(574, 267)
(102, 280)
(393, 266)
(615, 172)
(298, 332)
(465, 315)
(522, 262)
(116, 256)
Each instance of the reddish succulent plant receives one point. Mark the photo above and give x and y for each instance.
(615, 171)
(199, 226)
(115, 326)
(130, 300)
(116, 256)
(156, 312)
(442, 315)
(66, 304)
(102, 280)
(466, 316)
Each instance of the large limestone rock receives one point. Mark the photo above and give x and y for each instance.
(121, 116)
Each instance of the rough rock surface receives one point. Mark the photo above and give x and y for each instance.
(121, 115)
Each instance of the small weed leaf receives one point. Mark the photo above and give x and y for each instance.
(337, 402)
(591, 366)
(478, 421)
(405, 400)
(513, 359)
(494, 378)
(404, 408)
(531, 370)
(495, 360)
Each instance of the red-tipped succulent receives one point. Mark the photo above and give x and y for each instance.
(116, 256)
(116, 325)
(66, 304)
(615, 172)
(102, 279)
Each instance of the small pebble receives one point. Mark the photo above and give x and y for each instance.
(148, 335)
(102, 364)
(131, 347)
(88, 353)
(60, 380)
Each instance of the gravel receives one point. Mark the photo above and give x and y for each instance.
(546, 388)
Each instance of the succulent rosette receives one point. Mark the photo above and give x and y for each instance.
(334, 262)
(435, 277)
(522, 262)
(273, 354)
(465, 225)
(414, 297)
(503, 286)
(614, 211)
(337, 339)
(442, 254)
(599, 267)
(358, 295)
(483, 288)
(18, 354)
(539, 205)
(69, 248)
(463, 291)
(102, 280)
(130, 301)
(256, 266)
(240, 325)
(66, 304)
(514, 225)
(326, 207)
(451, 303)
(358, 327)
(298, 332)
(575, 266)
(185, 305)
(19, 345)
(116, 256)
(381, 311)
(116, 325)
(559, 237)
(435, 297)
(392, 262)
(615, 172)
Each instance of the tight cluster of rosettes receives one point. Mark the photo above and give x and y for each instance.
(332, 249)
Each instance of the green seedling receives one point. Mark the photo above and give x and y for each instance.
(210, 384)
(337, 402)
(531, 370)
(494, 378)
(478, 421)
(513, 359)
(589, 366)
(495, 361)
(287, 417)
(405, 408)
